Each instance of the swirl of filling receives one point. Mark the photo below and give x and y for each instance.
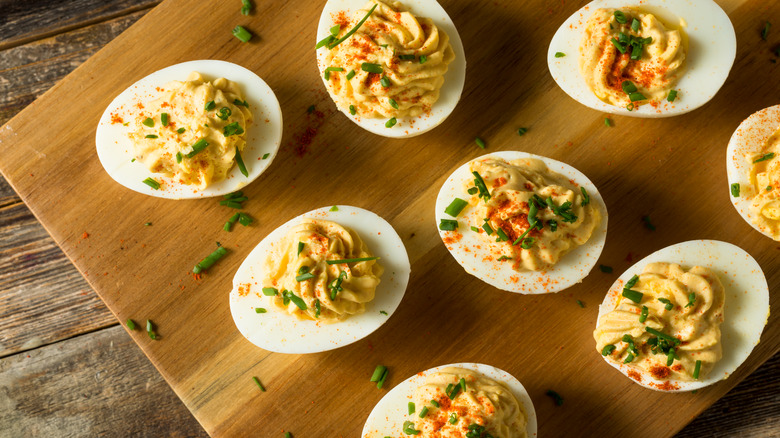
(407, 57)
(170, 130)
(765, 181)
(486, 406)
(686, 305)
(310, 288)
(562, 218)
(644, 52)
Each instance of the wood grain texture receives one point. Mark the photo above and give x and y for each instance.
(210, 365)
(97, 384)
(29, 20)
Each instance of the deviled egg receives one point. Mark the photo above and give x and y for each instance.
(455, 400)
(396, 69)
(196, 129)
(753, 168)
(522, 222)
(684, 317)
(643, 58)
(322, 280)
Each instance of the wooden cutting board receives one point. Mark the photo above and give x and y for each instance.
(672, 170)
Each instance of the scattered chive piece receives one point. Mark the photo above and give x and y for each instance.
(210, 105)
(453, 419)
(244, 219)
(423, 59)
(555, 396)
(151, 183)
(331, 44)
(621, 48)
(151, 136)
(480, 142)
(630, 106)
(335, 30)
(385, 82)
(606, 269)
(304, 274)
(672, 95)
(240, 103)
(149, 122)
(390, 123)
(503, 257)
(528, 243)
(522, 131)
(488, 229)
(232, 204)
(648, 224)
(352, 110)
(608, 122)
(423, 412)
(164, 119)
(224, 113)
(636, 96)
(323, 42)
(133, 160)
(635, 25)
(311, 109)
(768, 188)
(209, 260)
(472, 190)
(393, 103)
(765, 32)
(378, 372)
(181, 130)
(662, 335)
(340, 261)
(234, 195)
(456, 206)
(670, 358)
(448, 225)
(178, 157)
(643, 315)
(382, 312)
(150, 330)
(371, 68)
(452, 391)
(585, 197)
(559, 54)
(691, 299)
(295, 299)
(435, 403)
(229, 224)
(474, 229)
(735, 190)
(607, 350)
(381, 381)
(351, 74)
(260, 310)
(240, 162)
(266, 155)
(148, 224)
(764, 157)
(696, 370)
(409, 428)
(620, 17)
(631, 282)
(628, 87)
(232, 129)
(502, 237)
(242, 34)
(462, 383)
(246, 8)
(629, 358)
(300, 248)
(317, 308)
(130, 324)
(581, 304)
(270, 291)
(553, 224)
(633, 295)
(667, 304)
(259, 385)
(410, 408)
(287, 435)
(334, 208)
(197, 147)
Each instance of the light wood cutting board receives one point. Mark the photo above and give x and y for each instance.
(672, 170)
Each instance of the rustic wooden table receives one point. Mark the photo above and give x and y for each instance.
(66, 366)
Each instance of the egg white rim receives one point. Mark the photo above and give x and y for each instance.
(747, 140)
(280, 332)
(570, 270)
(115, 150)
(454, 79)
(746, 309)
(709, 60)
(388, 415)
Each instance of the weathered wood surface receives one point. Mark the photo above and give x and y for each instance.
(766, 409)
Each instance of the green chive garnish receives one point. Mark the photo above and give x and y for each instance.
(488, 229)
(629, 358)
(232, 129)
(351, 74)
(735, 190)
(423, 59)
(631, 282)
(409, 428)
(765, 32)
(266, 155)
(381, 381)
(448, 225)
(630, 106)
(423, 412)
(633, 295)
(178, 157)
(352, 110)
(304, 274)
(406, 57)
(385, 82)
(456, 206)
(151, 136)
(691, 299)
(317, 308)
(628, 87)
(260, 310)
(335, 43)
(151, 183)
(240, 103)
(371, 68)
(242, 34)
(606, 269)
(270, 291)
(672, 95)
(555, 396)
(559, 54)
(585, 197)
(393, 103)
(643, 315)
(378, 372)
(181, 130)
(259, 385)
(502, 237)
(340, 261)
(648, 224)
(608, 122)
(581, 304)
(209, 260)
(130, 324)
(197, 147)
(335, 30)
(480, 142)
(295, 299)
(382, 312)
(474, 229)
(764, 157)
(149, 122)
(246, 7)
(334, 208)
(164, 119)
(240, 162)
(607, 350)
(410, 408)
(503, 257)
(522, 131)
(662, 335)
(696, 370)
(210, 105)
(636, 96)
(390, 123)
(300, 248)
(667, 304)
(620, 17)
(453, 419)
(150, 330)
(224, 113)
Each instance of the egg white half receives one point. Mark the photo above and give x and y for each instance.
(746, 142)
(454, 79)
(711, 54)
(746, 308)
(264, 134)
(283, 333)
(472, 249)
(388, 416)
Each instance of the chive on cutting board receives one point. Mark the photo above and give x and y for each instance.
(670, 169)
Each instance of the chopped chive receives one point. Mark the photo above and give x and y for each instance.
(765, 31)
(667, 304)
(553, 224)
(224, 113)
(242, 34)
(240, 162)
(630, 106)
(559, 54)
(670, 357)
(502, 237)
(270, 291)
(260, 310)
(133, 160)
(209, 260)
(631, 282)
(259, 385)
(181, 130)
(672, 95)
(295, 299)
(452, 391)
(423, 59)
(621, 48)
(735, 190)
(581, 304)
(130, 324)
(148, 224)
(311, 109)
(633, 295)
(317, 308)
(340, 261)
(210, 105)
(232, 129)
(351, 74)
(503, 257)
(197, 147)
(150, 330)
(178, 157)
(335, 43)
(266, 155)
(334, 208)
(371, 68)
(410, 408)
(409, 428)
(300, 248)
(423, 412)
(629, 358)
(453, 418)
(636, 96)
(390, 123)
(474, 229)
(691, 299)
(288, 435)
(393, 103)
(234, 195)
(232, 204)
(406, 57)
(335, 30)
(480, 142)
(488, 229)
(555, 396)
(151, 136)
(628, 87)
(643, 315)
(764, 157)
(151, 183)
(304, 274)
(233, 200)
(608, 122)
(649, 225)
(606, 269)
(522, 131)
(635, 25)
(385, 82)
(462, 383)
(382, 379)
(382, 312)
(240, 103)
(164, 119)
(456, 206)
(448, 225)
(662, 335)
(607, 350)
(484, 193)
(528, 243)
(472, 190)
(352, 110)
(149, 122)
(229, 224)
(323, 42)
(585, 197)
(378, 372)
(696, 370)
(620, 17)
(244, 219)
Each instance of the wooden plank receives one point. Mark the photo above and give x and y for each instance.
(97, 384)
(209, 364)
(29, 70)
(30, 20)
